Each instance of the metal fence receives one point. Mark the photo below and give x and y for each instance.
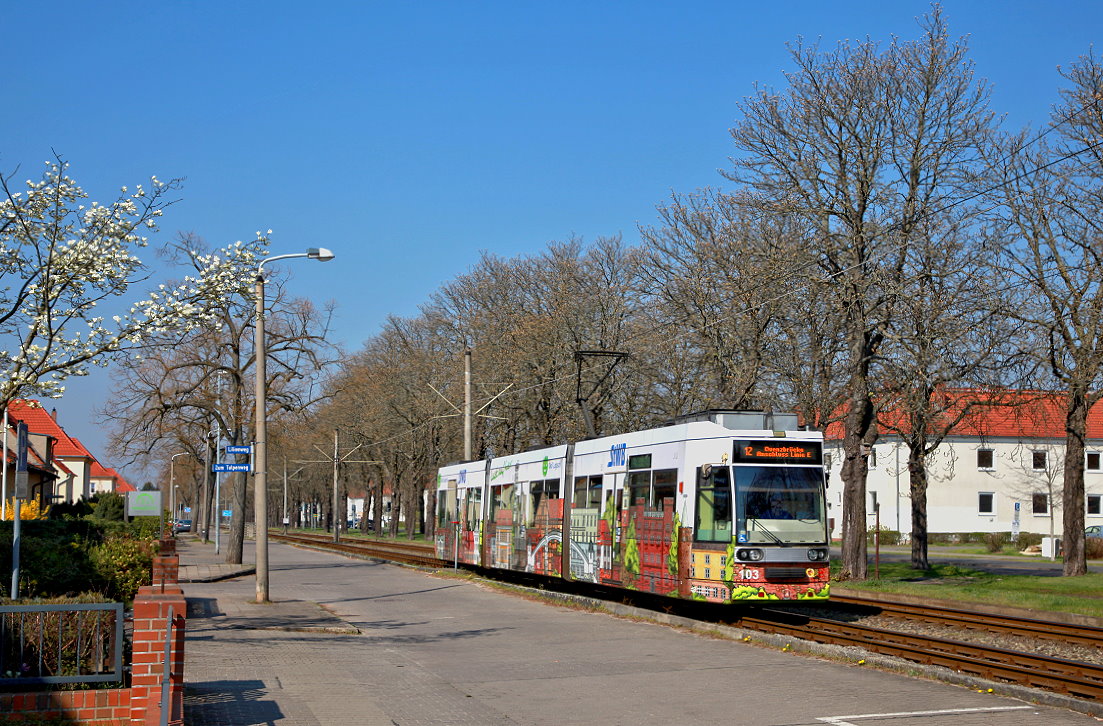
(71, 643)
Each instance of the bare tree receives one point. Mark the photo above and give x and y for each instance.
(205, 378)
(1049, 233)
(864, 144)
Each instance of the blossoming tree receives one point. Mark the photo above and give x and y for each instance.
(64, 258)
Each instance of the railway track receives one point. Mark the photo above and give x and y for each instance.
(1074, 678)
(1071, 677)
(972, 620)
(411, 553)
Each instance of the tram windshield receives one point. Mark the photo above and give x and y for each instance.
(779, 505)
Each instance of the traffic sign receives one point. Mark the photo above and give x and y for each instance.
(230, 467)
(239, 449)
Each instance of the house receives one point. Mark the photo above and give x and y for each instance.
(103, 480)
(67, 470)
(999, 470)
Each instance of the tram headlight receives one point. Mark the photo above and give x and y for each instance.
(749, 554)
(817, 554)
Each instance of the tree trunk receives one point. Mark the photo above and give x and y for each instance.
(236, 544)
(860, 431)
(1072, 495)
(917, 480)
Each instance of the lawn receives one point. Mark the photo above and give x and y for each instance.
(1081, 595)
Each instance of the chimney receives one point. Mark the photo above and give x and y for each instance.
(53, 414)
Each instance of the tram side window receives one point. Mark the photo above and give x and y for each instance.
(665, 486)
(538, 492)
(446, 504)
(639, 486)
(473, 500)
(587, 492)
(714, 511)
(501, 498)
(536, 495)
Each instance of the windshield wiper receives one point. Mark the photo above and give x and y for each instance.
(771, 535)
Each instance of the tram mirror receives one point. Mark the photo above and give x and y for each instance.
(706, 471)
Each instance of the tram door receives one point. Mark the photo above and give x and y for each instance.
(447, 521)
(471, 534)
(611, 530)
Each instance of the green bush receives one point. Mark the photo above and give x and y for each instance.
(122, 564)
(1027, 539)
(109, 507)
(68, 557)
(995, 541)
(888, 536)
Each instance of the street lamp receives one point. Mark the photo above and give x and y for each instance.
(260, 454)
(172, 490)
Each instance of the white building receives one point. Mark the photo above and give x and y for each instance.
(1001, 470)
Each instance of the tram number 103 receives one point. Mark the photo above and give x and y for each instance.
(752, 574)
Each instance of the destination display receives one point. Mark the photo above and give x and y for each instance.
(770, 451)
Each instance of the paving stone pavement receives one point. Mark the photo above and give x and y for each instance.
(350, 641)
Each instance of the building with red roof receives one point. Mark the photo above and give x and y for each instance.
(999, 470)
(74, 471)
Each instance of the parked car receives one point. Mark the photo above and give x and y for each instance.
(181, 525)
(1096, 530)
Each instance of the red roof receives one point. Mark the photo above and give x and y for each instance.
(1009, 414)
(121, 484)
(40, 421)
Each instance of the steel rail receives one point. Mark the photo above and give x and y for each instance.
(990, 622)
(1083, 680)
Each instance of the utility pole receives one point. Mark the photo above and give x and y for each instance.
(336, 497)
(336, 459)
(467, 405)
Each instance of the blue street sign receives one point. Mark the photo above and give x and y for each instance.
(239, 449)
(227, 513)
(230, 467)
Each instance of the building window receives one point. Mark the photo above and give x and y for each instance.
(986, 503)
(1038, 460)
(1039, 503)
(1095, 501)
(1092, 463)
(985, 459)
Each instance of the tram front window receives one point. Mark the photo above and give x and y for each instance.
(780, 505)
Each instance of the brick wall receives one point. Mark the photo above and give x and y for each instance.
(140, 704)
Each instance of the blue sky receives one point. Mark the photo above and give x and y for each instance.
(408, 137)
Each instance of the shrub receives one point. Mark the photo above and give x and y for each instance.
(109, 507)
(56, 557)
(888, 536)
(995, 541)
(123, 564)
(1093, 548)
(1027, 539)
(71, 510)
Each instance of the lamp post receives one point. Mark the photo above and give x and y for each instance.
(172, 490)
(260, 454)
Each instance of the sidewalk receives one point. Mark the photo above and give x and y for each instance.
(200, 564)
(353, 641)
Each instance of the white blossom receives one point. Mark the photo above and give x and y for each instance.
(69, 255)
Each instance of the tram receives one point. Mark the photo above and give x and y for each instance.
(718, 506)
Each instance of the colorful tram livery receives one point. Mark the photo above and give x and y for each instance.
(708, 508)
